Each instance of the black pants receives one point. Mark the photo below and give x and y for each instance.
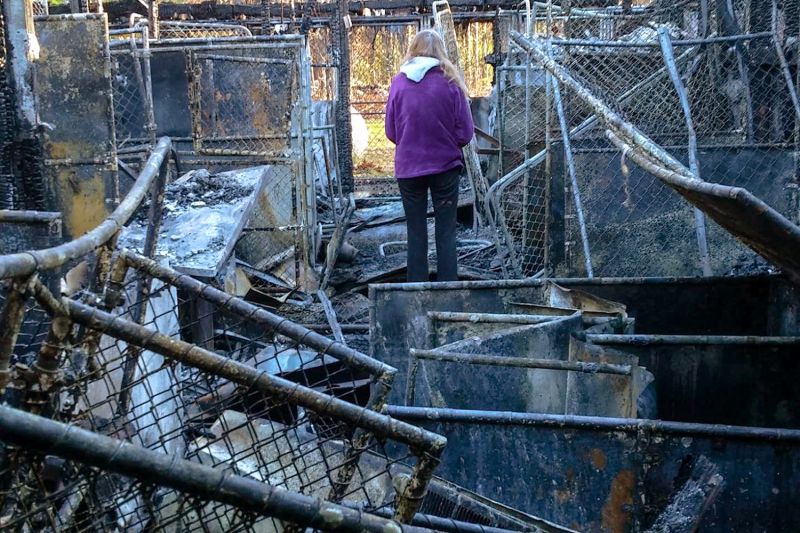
(444, 193)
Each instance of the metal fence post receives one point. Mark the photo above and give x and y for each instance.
(341, 58)
(694, 165)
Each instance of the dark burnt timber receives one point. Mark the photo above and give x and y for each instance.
(212, 10)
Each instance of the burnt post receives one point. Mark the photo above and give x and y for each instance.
(152, 16)
(25, 149)
(341, 58)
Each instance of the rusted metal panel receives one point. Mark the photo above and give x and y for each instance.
(74, 103)
(243, 100)
(729, 380)
(616, 475)
(596, 394)
(736, 306)
(462, 386)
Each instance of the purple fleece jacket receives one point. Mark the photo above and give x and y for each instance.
(429, 122)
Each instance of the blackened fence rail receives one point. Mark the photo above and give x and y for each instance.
(35, 433)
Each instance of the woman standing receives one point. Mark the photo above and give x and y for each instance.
(429, 121)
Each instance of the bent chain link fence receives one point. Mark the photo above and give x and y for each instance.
(739, 96)
(149, 356)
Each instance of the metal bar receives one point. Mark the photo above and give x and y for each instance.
(426, 415)
(346, 328)
(28, 217)
(448, 525)
(259, 315)
(243, 374)
(143, 285)
(694, 165)
(705, 340)
(576, 193)
(683, 42)
(200, 481)
(11, 318)
(787, 74)
(245, 59)
(26, 263)
(330, 314)
(488, 318)
(521, 362)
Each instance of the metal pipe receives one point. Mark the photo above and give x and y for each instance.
(704, 340)
(26, 263)
(143, 285)
(11, 318)
(694, 165)
(634, 426)
(259, 315)
(488, 318)
(521, 362)
(200, 481)
(787, 74)
(597, 105)
(654, 44)
(576, 193)
(243, 374)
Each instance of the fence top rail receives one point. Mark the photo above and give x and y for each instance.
(655, 44)
(26, 263)
(431, 415)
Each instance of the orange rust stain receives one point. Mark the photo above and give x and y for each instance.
(563, 496)
(615, 516)
(598, 458)
(82, 202)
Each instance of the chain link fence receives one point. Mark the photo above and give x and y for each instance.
(377, 51)
(134, 121)
(145, 355)
(730, 117)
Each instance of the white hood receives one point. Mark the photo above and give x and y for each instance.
(416, 67)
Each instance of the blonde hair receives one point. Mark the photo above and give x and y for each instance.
(428, 43)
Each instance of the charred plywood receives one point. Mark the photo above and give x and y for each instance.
(74, 103)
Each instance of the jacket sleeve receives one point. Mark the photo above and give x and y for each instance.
(388, 125)
(465, 127)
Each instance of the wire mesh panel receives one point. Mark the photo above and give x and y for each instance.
(732, 118)
(243, 103)
(133, 104)
(743, 125)
(376, 53)
(298, 421)
(57, 477)
(195, 30)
